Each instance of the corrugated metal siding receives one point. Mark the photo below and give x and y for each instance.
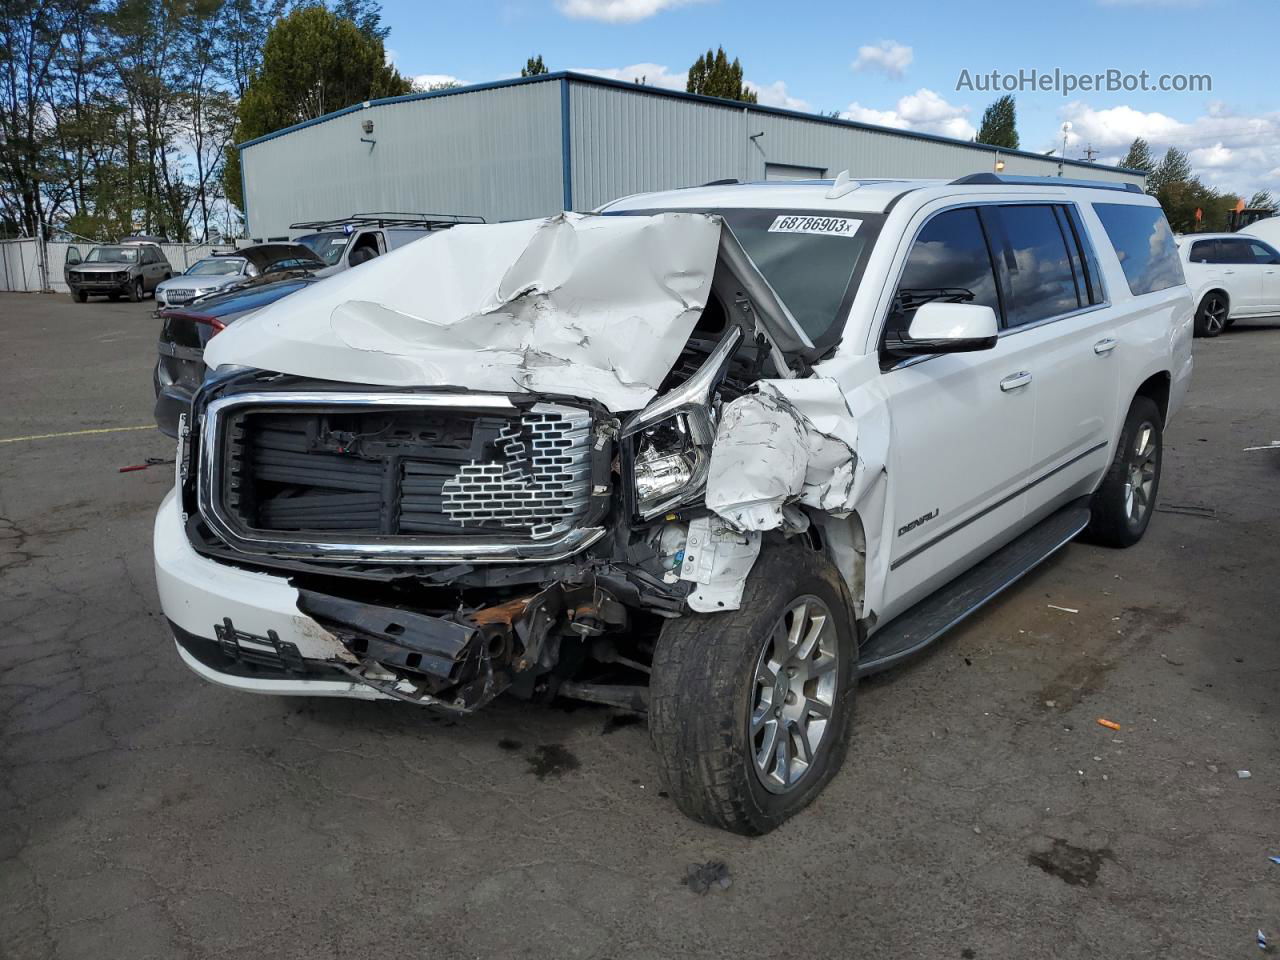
(626, 142)
(496, 153)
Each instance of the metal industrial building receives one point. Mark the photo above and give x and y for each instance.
(567, 141)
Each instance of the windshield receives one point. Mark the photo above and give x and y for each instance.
(216, 267)
(327, 246)
(112, 255)
(810, 259)
(813, 259)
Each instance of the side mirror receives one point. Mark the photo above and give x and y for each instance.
(949, 328)
(73, 256)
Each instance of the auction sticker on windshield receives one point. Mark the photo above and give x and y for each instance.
(824, 226)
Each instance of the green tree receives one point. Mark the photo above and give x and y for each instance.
(365, 14)
(1000, 124)
(1139, 157)
(1173, 168)
(1262, 200)
(313, 62)
(534, 67)
(712, 75)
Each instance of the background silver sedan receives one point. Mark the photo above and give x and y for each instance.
(203, 277)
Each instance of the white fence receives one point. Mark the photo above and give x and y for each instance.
(20, 262)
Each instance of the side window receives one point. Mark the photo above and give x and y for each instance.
(951, 261)
(1263, 253)
(1232, 250)
(1041, 276)
(1144, 244)
(1203, 251)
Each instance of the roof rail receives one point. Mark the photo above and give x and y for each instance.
(428, 221)
(990, 179)
(727, 181)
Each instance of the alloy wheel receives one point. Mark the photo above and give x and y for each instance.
(1215, 315)
(793, 694)
(1140, 480)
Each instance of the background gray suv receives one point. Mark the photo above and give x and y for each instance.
(128, 269)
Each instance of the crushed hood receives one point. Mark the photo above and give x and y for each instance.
(587, 306)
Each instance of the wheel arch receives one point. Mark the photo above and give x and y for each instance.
(843, 541)
(1156, 387)
(1209, 291)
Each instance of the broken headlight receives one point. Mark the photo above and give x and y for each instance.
(670, 440)
(670, 465)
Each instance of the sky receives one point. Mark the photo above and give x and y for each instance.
(903, 64)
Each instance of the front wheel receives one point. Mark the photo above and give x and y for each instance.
(1213, 315)
(1123, 504)
(80, 296)
(136, 291)
(749, 709)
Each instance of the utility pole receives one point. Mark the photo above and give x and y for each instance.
(1090, 153)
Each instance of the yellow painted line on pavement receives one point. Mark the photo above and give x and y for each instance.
(77, 433)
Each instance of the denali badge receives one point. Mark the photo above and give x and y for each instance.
(917, 522)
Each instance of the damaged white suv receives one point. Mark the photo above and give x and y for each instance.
(711, 454)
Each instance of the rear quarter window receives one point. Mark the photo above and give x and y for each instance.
(1144, 244)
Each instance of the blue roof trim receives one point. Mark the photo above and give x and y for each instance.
(566, 147)
(569, 75)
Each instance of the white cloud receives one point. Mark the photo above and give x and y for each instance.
(653, 74)
(617, 11)
(775, 95)
(1228, 150)
(923, 111)
(433, 81)
(888, 56)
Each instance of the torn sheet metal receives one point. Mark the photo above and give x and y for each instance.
(792, 442)
(717, 558)
(589, 306)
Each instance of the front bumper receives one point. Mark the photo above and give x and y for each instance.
(99, 286)
(198, 594)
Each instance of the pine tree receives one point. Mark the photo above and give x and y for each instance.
(1139, 157)
(1175, 168)
(713, 75)
(534, 67)
(1000, 124)
(1262, 200)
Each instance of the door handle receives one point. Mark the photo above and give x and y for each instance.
(1015, 380)
(1228, 271)
(1105, 346)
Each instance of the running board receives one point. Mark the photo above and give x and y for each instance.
(933, 616)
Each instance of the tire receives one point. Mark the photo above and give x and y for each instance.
(1123, 504)
(80, 296)
(113, 297)
(136, 292)
(704, 691)
(1213, 314)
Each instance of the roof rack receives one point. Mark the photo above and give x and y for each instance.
(426, 221)
(988, 179)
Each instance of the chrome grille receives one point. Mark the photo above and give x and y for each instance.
(541, 484)
(287, 473)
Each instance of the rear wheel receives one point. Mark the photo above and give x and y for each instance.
(1122, 506)
(1213, 315)
(136, 292)
(750, 709)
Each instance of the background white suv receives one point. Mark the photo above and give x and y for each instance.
(1231, 275)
